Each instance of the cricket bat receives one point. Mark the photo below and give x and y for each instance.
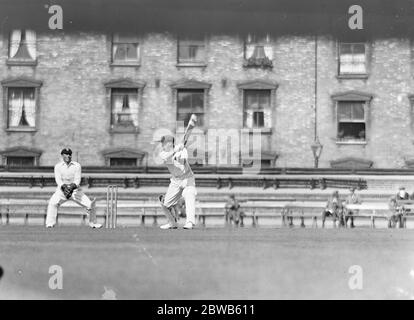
(191, 124)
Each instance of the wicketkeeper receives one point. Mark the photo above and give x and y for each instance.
(182, 183)
(68, 178)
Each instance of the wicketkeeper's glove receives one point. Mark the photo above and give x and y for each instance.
(68, 189)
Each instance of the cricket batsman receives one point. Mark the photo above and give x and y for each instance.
(68, 178)
(182, 182)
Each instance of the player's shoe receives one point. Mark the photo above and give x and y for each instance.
(168, 226)
(49, 225)
(95, 225)
(188, 225)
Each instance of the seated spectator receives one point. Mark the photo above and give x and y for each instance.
(402, 194)
(233, 211)
(396, 213)
(352, 198)
(333, 209)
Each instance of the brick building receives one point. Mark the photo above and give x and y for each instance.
(106, 94)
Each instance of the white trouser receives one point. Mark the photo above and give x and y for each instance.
(185, 188)
(58, 198)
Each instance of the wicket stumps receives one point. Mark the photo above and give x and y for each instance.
(111, 206)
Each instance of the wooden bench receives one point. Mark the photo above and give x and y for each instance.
(380, 210)
(287, 210)
(297, 209)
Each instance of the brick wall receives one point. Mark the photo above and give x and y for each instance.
(74, 112)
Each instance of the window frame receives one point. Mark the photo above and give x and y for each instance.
(124, 84)
(256, 41)
(11, 61)
(353, 96)
(258, 85)
(7, 158)
(364, 121)
(21, 152)
(192, 85)
(21, 83)
(129, 153)
(352, 75)
(125, 63)
(203, 94)
(269, 91)
(192, 63)
(129, 158)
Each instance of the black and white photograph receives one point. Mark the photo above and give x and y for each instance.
(232, 150)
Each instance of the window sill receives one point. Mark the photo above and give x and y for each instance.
(191, 65)
(134, 64)
(21, 130)
(352, 76)
(351, 142)
(258, 67)
(262, 130)
(133, 130)
(199, 130)
(15, 62)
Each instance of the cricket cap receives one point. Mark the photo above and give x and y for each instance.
(66, 151)
(167, 138)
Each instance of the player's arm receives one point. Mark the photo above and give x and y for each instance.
(182, 155)
(78, 175)
(166, 155)
(58, 177)
(170, 155)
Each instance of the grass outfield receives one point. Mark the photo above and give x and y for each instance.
(211, 263)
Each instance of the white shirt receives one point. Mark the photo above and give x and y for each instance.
(177, 164)
(67, 173)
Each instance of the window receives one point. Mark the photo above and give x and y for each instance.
(124, 100)
(191, 51)
(257, 111)
(258, 52)
(20, 156)
(21, 108)
(123, 162)
(20, 161)
(22, 46)
(351, 120)
(124, 108)
(352, 58)
(125, 50)
(123, 157)
(190, 101)
(21, 101)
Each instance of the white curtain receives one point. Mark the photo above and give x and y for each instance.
(133, 105)
(116, 54)
(249, 51)
(15, 108)
(352, 63)
(359, 63)
(346, 63)
(31, 43)
(30, 108)
(267, 118)
(116, 106)
(268, 51)
(15, 39)
(249, 118)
